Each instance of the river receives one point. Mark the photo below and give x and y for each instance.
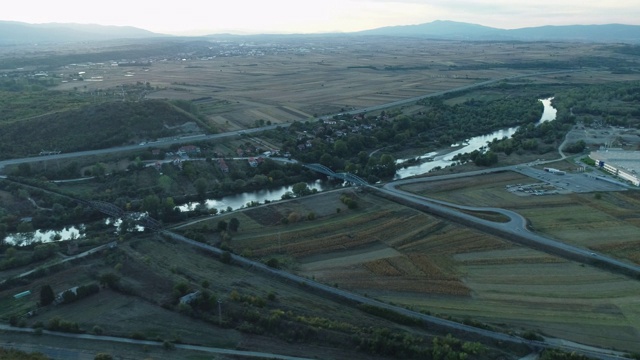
(223, 204)
(443, 159)
(44, 236)
(238, 201)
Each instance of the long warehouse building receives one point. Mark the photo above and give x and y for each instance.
(622, 163)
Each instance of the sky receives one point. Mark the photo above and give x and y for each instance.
(199, 17)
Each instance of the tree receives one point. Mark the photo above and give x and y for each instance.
(151, 204)
(46, 295)
(300, 189)
(43, 251)
(69, 297)
(24, 169)
(109, 279)
(165, 183)
(327, 160)
(274, 263)
(181, 288)
(340, 148)
(24, 227)
(234, 223)
(225, 257)
(168, 206)
(293, 217)
(575, 147)
(98, 170)
(387, 166)
(222, 225)
(201, 186)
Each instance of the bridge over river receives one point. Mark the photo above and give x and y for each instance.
(348, 177)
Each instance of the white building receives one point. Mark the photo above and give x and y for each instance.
(624, 164)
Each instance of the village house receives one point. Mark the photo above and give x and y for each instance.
(223, 165)
(187, 299)
(60, 297)
(189, 150)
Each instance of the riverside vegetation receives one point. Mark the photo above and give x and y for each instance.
(149, 272)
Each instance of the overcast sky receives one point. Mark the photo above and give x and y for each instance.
(197, 17)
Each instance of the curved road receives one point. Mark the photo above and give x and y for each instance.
(515, 229)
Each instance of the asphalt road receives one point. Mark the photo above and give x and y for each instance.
(180, 140)
(440, 93)
(67, 259)
(205, 349)
(204, 137)
(342, 294)
(515, 229)
(429, 321)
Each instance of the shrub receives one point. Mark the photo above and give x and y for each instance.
(138, 336)
(103, 356)
(68, 296)
(46, 295)
(274, 263)
(98, 330)
(225, 257)
(531, 335)
(168, 345)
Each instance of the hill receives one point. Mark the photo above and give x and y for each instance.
(89, 126)
(452, 30)
(13, 33)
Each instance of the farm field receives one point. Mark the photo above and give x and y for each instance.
(330, 75)
(606, 223)
(149, 269)
(350, 238)
(406, 257)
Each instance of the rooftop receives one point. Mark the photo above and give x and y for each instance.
(629, 160)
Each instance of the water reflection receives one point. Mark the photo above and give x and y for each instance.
(476, 143)
(131, 225)
(549, 113)
(239, 201)
(45, 236)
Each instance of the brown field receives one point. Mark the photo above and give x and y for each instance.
(150, 267)
(406, 257)
(609, 225)
(381, 249)
(333, 75)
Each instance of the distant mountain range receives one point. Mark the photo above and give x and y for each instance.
(12, 32)
(464, 31)
(23, 33)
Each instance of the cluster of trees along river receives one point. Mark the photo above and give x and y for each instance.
(364, 145)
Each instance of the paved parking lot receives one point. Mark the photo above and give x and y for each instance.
(569, 182)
